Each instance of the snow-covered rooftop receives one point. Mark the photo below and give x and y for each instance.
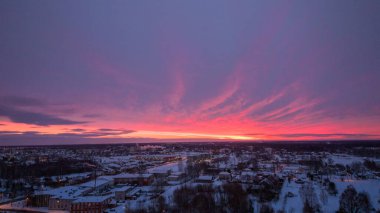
(92, 199)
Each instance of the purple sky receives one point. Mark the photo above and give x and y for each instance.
(125, 71)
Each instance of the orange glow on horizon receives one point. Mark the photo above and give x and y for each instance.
(161, 133)
(184, 135)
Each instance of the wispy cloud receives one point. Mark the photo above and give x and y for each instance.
(14, 108)
(313, 136)
(252, 66)
(75, 133)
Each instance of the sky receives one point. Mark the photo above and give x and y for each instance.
(147, 71)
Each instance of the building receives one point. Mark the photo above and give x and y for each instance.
(91, 204)
(225, 176)
(121, 192)
(205, 179)
(177, 176)
(60, 203)
(61, 198)
(247, 176)
(39, 200)
(139, 179)
(99, 184)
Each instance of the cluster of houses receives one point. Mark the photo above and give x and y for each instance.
(93, 196)
(263, 174)
(107, 191)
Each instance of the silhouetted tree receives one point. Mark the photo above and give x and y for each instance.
(353, 202)
(370, 164)
(160, 204)
(203, 202)
(323, 196)
(332, 188)
(237, 198)
(309, 196)
(194, 199)
(357, 168)
(266, 208)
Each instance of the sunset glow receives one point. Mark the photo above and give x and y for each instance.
(251, 71)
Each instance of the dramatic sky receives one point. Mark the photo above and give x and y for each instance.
(139, 71)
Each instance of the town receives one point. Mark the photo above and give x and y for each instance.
(192, 177)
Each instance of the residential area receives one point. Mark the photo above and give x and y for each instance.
(191, 177)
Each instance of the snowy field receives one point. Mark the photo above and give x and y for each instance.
(173, 167)
(346, 159)
(295, 204)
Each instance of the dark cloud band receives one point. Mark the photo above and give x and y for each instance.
(27, 117)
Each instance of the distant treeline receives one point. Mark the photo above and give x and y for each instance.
(47, 169)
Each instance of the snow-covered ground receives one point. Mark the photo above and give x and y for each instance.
(295, 204)
(289, 204)
(173, 167)
(344, 159)
(372, 187)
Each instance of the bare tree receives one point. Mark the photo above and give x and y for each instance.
(309, 197)
(323, 196)
(237, 198)
(158, 185)
(357, 168)
(353, 202)
(159, 204)
(332, 188)
(266, 208)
